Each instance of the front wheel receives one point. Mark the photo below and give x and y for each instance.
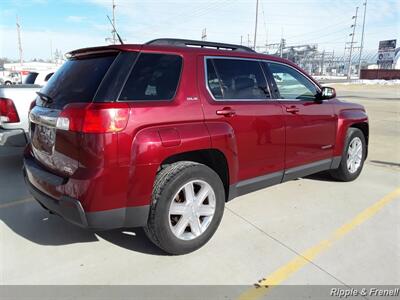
(353, 156)
(188, 204)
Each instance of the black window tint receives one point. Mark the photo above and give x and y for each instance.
(30, 78)
(241, 79)
(291, 83)
(213, 81)
(154, 77)
(77, 80)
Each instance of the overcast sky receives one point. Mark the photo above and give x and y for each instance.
(71, 24)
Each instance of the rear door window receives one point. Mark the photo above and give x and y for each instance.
(154, 77)
(240, 79)
(77, 80)
(30, 78)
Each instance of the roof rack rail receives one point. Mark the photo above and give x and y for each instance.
(201, 44)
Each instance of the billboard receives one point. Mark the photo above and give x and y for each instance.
(387, 45)
(386, 51)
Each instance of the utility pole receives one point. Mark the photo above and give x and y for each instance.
(51, 50)
(241, 40)
(19, 42)
(352, 42)
(204, 34)
(114, 39)
(255, 28)
(362, 39)
(248, 40)
(281, 46)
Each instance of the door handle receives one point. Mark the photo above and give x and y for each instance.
(226, 111)
(292, 110)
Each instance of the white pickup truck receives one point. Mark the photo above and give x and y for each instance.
(15, 102)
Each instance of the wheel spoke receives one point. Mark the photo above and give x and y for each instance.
(195, 226)
(189, 192)
(180, 227)
(206, 210)
(202, 194)
(353, 165)
(351, 149)
(177, 208)
(359, 148)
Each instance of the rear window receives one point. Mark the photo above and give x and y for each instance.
(30, 78)
(154, 77)
(77, 80)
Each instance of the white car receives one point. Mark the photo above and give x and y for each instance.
(12, 78)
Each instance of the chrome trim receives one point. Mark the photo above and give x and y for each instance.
(44, 116)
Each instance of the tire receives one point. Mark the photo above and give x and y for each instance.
(7, 83)
(172, 184)
(345, 172)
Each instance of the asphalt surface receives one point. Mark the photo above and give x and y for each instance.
(307, 231)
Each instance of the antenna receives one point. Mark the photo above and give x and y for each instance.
(119, 38)
(204, 34)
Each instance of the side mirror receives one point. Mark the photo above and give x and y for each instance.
(326, 93)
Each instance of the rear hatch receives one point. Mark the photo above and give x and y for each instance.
(61, 108)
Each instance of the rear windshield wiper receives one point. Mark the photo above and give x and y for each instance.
(44, 97)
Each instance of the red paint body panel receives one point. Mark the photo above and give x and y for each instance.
(115, 170)
(310, 133)
(258, 129)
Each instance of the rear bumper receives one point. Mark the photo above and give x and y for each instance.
(13, 138)
(71, 209)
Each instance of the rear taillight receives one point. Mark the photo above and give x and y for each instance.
(8, 113)
(94, 117)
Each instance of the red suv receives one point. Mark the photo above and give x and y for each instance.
(161, 135)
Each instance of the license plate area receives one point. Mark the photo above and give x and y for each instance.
(44, 138)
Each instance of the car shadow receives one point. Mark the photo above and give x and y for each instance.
(30, 221)
(321, 176)
(25, 217)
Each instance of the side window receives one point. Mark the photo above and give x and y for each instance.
(291, 83)
(213, 81)
(154, 77)
(238, 79)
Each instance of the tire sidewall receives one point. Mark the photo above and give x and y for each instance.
(168, 240)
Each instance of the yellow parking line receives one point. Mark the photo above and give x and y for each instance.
(306, 257)
(13, 203)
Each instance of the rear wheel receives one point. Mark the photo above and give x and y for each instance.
(353, 156)
(188, 204)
